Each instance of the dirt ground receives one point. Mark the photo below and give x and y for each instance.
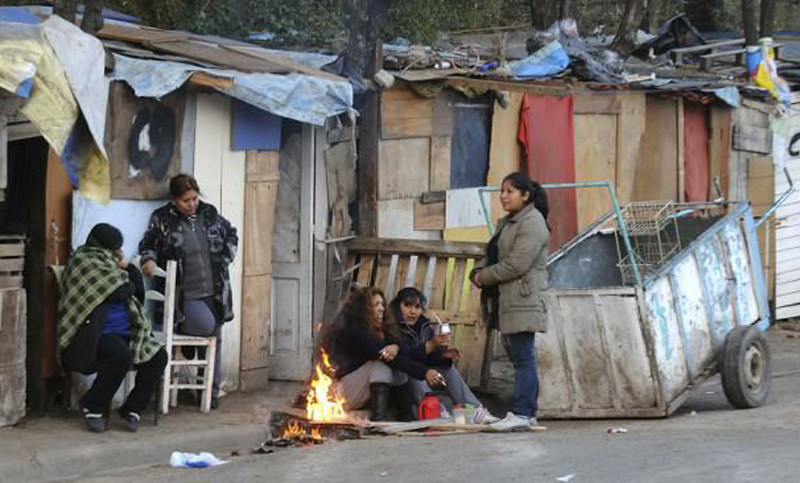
(705, 441)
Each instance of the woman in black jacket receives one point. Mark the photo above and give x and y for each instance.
(204, 243)
(365, 354)
(419, 341)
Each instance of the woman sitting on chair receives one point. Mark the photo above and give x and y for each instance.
(103, 328)
(203, 243)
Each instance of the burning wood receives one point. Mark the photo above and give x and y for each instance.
(295, 430)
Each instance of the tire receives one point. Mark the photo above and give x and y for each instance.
(746, 367)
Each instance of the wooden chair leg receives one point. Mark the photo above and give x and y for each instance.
(165, 389)
(209, 375)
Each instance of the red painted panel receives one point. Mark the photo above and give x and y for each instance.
(546, 130)
(696, 135)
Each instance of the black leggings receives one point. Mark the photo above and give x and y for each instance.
(112, 362)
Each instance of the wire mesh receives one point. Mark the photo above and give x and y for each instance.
(653, 230)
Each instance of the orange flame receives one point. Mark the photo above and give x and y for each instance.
(315, 433)
(322, 403)
(293, 430)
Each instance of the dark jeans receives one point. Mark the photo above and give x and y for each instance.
(111, 363)
(201, 321)
(520, 349)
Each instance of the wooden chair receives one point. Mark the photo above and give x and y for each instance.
(440, 269)
(173, 342)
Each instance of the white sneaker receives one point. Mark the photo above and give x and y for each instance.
(511, 422)
(483, 416)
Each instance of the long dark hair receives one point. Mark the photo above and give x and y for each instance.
(536, 193)
(409, 295)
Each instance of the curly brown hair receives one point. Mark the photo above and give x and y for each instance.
(358, 309)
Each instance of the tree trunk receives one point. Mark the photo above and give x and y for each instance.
(653, 17)
(539, 14)
(92, 16)
(749, 20)
(767, 18)
(565, 9)
(701, 13)
(625, 40)
(66, 9)
(365, 20)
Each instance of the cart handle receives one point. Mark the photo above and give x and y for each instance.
(781, 199)
(637, 278)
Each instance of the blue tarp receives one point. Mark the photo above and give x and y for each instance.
(300, 97)
(545, 62)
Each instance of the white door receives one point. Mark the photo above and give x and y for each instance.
(291, 341)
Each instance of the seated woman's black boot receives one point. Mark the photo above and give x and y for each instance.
(379, 393)
(404, 402)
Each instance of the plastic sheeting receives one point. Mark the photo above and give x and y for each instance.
(300, 97)
(547, 61)
(51, 78)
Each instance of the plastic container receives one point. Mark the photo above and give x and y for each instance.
(459, 415)
(752, 59)
(469, 412)
(429, 407)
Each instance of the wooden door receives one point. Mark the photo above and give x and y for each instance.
(291, 335)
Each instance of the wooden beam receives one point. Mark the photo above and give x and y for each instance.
(205, 79)
(417, 247)
(548, 89)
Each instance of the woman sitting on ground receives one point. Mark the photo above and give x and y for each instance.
(103, 328)
(420, 342)
(365, 354)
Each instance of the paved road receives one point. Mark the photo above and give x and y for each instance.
(706, 441)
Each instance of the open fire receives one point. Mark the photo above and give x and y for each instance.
(323, 405)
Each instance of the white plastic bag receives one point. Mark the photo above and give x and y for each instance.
(193, 460)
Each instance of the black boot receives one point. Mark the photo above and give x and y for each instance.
(404, 401)
(379, 393)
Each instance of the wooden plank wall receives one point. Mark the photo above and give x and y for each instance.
(413, 158)
(761, 193)
(657, 173)
(58, 214)
(261, 189)
(608, 136)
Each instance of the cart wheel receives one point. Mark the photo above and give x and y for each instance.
(746, 367)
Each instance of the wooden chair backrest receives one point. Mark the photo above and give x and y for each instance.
(440, 269)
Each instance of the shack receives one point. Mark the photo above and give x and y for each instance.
(258, 129)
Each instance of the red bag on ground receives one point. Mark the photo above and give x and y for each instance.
(429, 407)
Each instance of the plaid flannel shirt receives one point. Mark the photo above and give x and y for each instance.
(91, 276)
